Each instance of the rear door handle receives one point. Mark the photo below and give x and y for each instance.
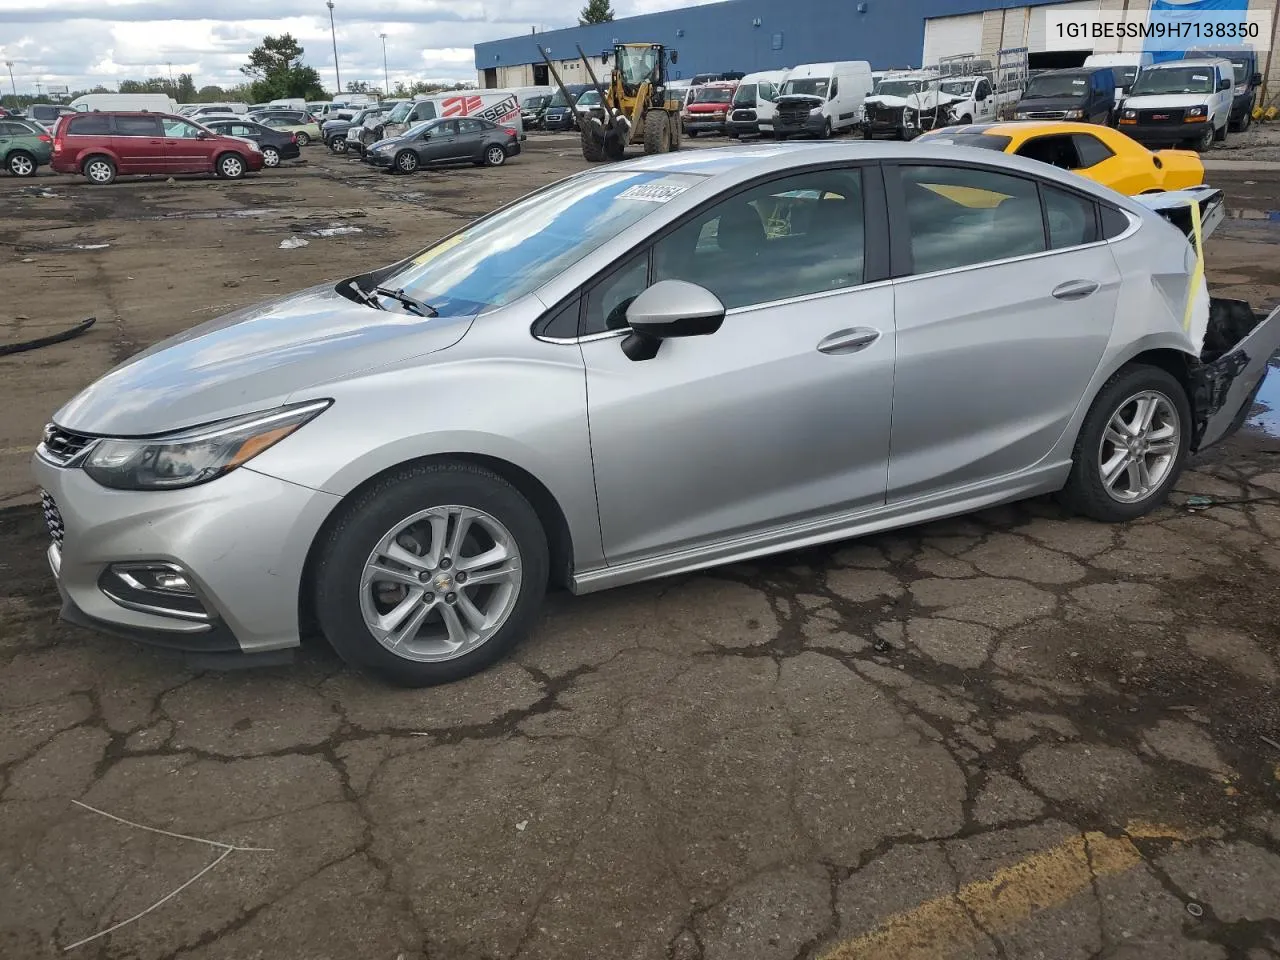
(848, 341)
(1075, 289)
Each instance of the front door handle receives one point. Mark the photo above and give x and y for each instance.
(1075, 289)
(848, 341)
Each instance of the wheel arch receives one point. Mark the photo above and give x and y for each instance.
(550, 515)
(89, 153)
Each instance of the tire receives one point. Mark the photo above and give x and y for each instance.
(338, 144)
(826, 129)
(964, 121)
(21, 164)
(494, 156)
(406, 161)
(396, 514)
(1221, 135)
(691, 134)
(676, 133)
(592, 149)
(1204, 144)
(866, 133)
(734, 135)
(99, 170)
(230, 166)
(270, 157)
(656, 137)
(1245, 120)
(304, 139)
(1086, 491)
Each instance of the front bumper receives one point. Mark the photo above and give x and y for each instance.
(697, 124)
(376, 159)
(1163, 134)
(241, 540)
(559, 121)
(811, 124)
(742, 127)
(879, 128)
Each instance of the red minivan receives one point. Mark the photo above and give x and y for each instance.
(103, 145)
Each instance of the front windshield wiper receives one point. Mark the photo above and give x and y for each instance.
(367, 298)
(417, 306)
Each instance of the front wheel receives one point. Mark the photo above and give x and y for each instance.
(406, 161)
(304, 139)
(270, 157)
(826, 129)
(1204, 142)
(495, 156)
(338, 144)
(1131, 448)
(230, 166)
(21, 164)
(432, 574)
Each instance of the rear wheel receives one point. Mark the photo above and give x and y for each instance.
(657, 138)
(270, 157)
(1131, 447)
(230, 166)
(21, 164)
(432, 574)
(99, 170)
(304, 139)
(592, 148)
(338, 144)
(406, 161)
(495, 156)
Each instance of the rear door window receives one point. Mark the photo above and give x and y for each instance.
(90, 125)
(467, 125)
(138, 127)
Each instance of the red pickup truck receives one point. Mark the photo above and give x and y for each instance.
(708, 111)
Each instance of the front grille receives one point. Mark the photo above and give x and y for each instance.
(52, 517)
(744, 114)
(793, 114)
(882, 113)
(1045, 114)
(1154, 117)
(62, 446)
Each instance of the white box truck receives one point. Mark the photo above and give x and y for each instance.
(822, 98)
(498, 106)
(152, 102)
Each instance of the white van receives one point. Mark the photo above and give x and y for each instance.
(1180, 101)
(205, 109)
(1124, 65)
(498, 106)
(822, 98)
(289, 103)
(153, 102)
(753, 108)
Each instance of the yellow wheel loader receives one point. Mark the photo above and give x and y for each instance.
(634, 107)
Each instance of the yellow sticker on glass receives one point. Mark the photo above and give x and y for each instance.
(432, 252)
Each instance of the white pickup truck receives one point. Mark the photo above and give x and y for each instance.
(955, 100)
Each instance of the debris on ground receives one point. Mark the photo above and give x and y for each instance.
(293, 243)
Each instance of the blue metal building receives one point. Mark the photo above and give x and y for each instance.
(749, 35)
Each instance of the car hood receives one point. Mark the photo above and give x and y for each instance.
(252, 359)
(1165, 101)
(886, 100)
(808, 98)
(708, 107)
(929, 99)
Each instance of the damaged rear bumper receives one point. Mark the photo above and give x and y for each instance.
(1238, 348)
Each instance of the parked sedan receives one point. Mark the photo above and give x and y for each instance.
(1097, 152)
(644, 369)
(305, 130)
(24, 146)
(276, 145)
(446, 141)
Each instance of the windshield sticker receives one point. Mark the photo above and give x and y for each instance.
(1197, 76)
(653, 192)
(438, 249)
(1078, 83)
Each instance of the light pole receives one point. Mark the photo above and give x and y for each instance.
(386, 75)
(334, 32)
(9, 64)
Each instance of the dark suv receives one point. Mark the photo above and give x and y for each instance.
(102, 145)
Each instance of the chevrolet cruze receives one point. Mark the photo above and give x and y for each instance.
(647, 368)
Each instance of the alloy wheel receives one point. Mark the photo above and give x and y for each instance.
(1139, 447)
(99, 171)
(496, 156)
(270, 157)
(21, 166)
(440, 583)
(232, 167)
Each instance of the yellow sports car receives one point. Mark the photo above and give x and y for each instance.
(1099, 153)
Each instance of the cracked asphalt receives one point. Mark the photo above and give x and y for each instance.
(1014, 734)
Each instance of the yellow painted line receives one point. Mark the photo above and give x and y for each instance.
(948, 925)
(14, 451)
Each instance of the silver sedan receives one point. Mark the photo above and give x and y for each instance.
(648, 368)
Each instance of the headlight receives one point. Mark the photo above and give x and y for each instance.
(815, 112)
(1073, 115)
(1195, 111)
(1131, 114)
(197, 455)
(1022, 115)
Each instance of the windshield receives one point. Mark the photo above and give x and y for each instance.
(401, 113)
(558, 100)
(589, 99)
(956, 88)
(517, 250)
(985, 140)
(1174, 80)
(1125, 75)
(816, 87)
(713, 95)
(1074, 85)
(746, 93)
(636, 64)
(1241, 69)
(534, 103)
(897, 88)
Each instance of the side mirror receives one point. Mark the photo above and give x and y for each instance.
(675, 56)
(202, 134)
(1224, 84)
(1256, 80)
(670, 308)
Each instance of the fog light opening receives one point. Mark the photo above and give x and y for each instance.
(159, 588)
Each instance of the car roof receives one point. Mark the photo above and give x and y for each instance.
(1197, 62)
(1014, 128)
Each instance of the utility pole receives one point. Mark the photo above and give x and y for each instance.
(170, 66)
(9, 64)
(386, 75)
(39, 92)
(334, 33)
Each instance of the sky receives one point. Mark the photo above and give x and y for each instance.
(82, 43)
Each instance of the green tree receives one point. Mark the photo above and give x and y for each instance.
(276, 70)
(362, 86)
(211, 94)
(596, 11)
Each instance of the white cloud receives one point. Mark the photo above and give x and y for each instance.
(81, 43)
